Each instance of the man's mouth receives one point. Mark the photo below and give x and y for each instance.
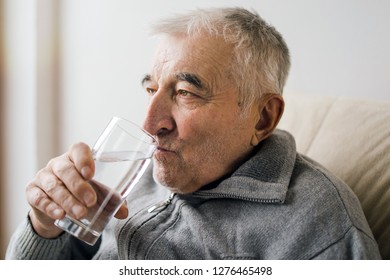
(163, 149)
(163, 154)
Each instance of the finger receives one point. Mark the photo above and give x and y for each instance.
(39, 200)
(122, 212)
(64, 169)
(81, 155)
(56, 191)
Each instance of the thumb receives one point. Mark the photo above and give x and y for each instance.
(122, 212)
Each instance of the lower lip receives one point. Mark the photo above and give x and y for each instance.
(162, 152)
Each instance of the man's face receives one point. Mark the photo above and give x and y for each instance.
(194, 113)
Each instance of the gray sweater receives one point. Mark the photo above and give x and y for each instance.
(277, 205)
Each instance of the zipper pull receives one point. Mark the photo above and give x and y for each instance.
(161, 206)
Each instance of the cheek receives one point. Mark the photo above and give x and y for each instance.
(190, 124)
(207, 117)
(212, 135)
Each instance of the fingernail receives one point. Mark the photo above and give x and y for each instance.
(89, 198)
(57, 213)
(78, 211)
(86, 172)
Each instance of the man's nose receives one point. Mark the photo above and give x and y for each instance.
(159, 119)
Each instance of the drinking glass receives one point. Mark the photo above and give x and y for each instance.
(121, 154)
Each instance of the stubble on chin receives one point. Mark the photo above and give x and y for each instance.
(173, 178)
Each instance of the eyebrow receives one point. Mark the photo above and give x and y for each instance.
(183, 76)
(146, 78)
(191, 79)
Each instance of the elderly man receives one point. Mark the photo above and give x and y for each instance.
(224, 183)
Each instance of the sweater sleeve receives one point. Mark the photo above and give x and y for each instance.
(26, 244)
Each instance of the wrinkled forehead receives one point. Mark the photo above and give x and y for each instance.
(206, 56)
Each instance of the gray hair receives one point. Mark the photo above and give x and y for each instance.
(261, 60)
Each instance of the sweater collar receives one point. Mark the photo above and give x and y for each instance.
(264, 177)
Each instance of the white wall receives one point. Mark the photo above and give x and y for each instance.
(18, 110)
(337, 48)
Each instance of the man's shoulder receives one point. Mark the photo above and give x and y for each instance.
(326, 193)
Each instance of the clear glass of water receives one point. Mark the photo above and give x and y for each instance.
(121, 154)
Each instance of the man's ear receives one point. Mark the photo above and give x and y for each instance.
(269, 111)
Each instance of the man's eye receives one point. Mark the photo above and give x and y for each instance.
(184, 93)
(150, 91)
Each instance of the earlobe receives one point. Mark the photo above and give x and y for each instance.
(255, 140)
(270, 110)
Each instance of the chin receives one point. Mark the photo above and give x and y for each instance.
(173, 179)
(173, 184)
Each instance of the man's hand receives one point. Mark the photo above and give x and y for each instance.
(62, 188)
